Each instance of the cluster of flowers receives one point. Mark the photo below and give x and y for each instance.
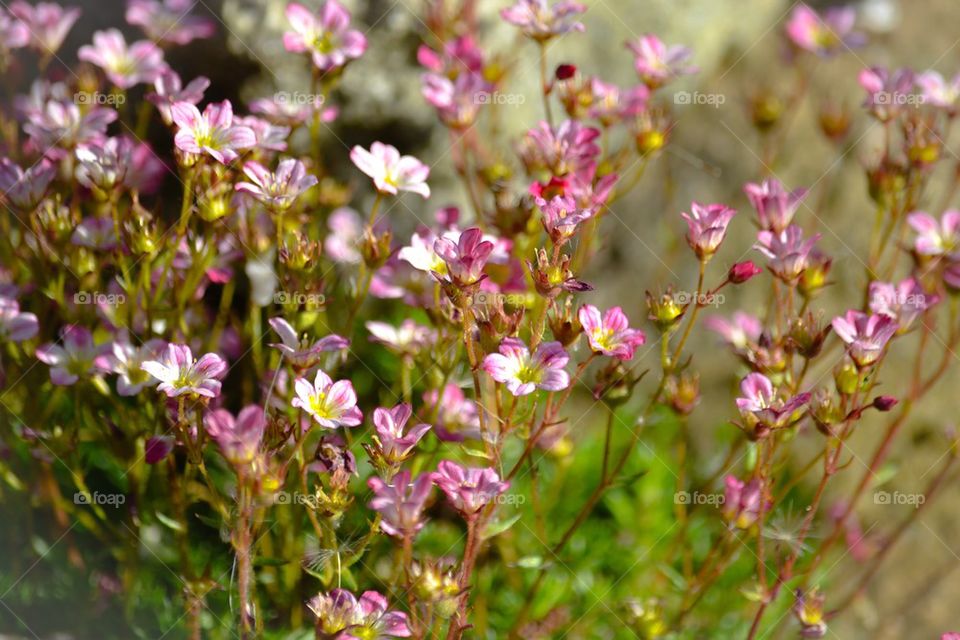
(494, 310)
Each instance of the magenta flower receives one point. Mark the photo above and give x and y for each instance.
(13, 33)
(658, 64)
(16, 326)
(904, 302)
(775, 206)
(939, 92)
(102, 166)
(611, 104)
(325, 36)
(457, 417)
(47, 22)
(125, 66)
(400, 502)
(213, 132)
(523, 373)
(61, 125)
(169, 89)
(465, 258)
(407, 339)
(394, 443)
(277, 190)
(332, 404)
(741, 331)
(788, 251)
(561, 215)
(169, 21)
(126, 360)
(568, 149)
(762, 409)
(457, 101)
(610, 335)
(743, 501)
(342, 616)
(346, 229)
(887, 93)
(25, 189)
(73, 358)
(540, 21)
(180, 374)
(300, 353)
(468, 489)
(707, 226)
(239, 438)
(936, 238)
(866, 336)
(823, 35)
(390, 171)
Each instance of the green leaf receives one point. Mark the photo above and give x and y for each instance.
(169, 522)
(496, 528)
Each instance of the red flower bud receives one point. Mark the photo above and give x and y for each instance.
(884, 403)
(565, 71)
(742, 271)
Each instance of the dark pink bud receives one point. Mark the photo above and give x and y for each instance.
(884, 403)
(742, 271)
(566, 71)
(157, 448)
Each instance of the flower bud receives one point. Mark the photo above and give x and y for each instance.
(743, 271)
(646, 619)
(806, 336)
(565, 325)
(375, 249)
(825, 410)
(766, 109)
(847, 377)
(683, 392)
(834, 119)
(565, 71)
(809, 612)
(814, 277)
(664, 311)
(884, 403)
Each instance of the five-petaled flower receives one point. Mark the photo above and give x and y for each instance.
(465, 258)
(936, 238)
(238, 438)
(541, 21)
(707, 226)
(277, 190)
(390, 171)
(16, 325)
(395, 441)
(775, 205)
(761, 407)
(610, 334)
(73, 358)
(343, 616)
(300, 353)
(468, 489)
(400, 502)
(743, 501)
(47, 23)
(823, 35)
(656, 63)
(181, 375)
(866, 335)
(212, 132)
(332, 404)
(325, 36)
(788, 251)
(523, 373)
(125, 66)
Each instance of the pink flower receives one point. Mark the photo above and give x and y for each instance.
(939, 92)
(325, 36)
(933, 238)
(610, 335)
(788, 251)
(390, 171)
(157, 448)
(169, 89)
(239, 438)
(568, 149)
(169, 21)
(761, 408)
(126, 361)
(743, 502)
(656, 63)
(332, 404)
(13, 33)
(102, 166)
(95, 233)
(522, 373)
(468, 489)
(407, 339)
(73, 358)
(561, 215)
(277, 191)
(212, 132)
(887, 93)
(125, 66)
(16, 326)
(823, 35)
(540, 21)
(61, 125)
(266, 135)
(775, 206)
(741, 331)
(904, 302)
(342, 616)
(465, 258)
(400, 502)
(48, 23)
(866, 336)
(611, 104)
(281, 109)
(707, 226)
(456, 101)
(743, 271)
(300, 353)
(457, 417)
(179, 374)
(346, 229)
(25, 189)
(395, 444)
(458, 54)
